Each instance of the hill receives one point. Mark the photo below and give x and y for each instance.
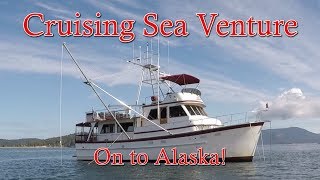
(67, 141)
(289, 136)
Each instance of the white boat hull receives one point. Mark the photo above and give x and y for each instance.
(240, 142)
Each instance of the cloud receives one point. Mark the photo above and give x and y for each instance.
(291, 104)
(229, 92)
(116, 10)
(275, 55)
(287, 58)
(56, 10)
(41, 57)
(52, 7)
(217, 87)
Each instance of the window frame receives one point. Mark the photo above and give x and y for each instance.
(183, 110)
(119, 130)
(202, 110)
(156, 115)
(191, 111)
(104, 128)
(196, 110)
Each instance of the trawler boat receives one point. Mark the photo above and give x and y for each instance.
(169, 118)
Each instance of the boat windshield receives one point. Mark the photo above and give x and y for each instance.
(196, 110)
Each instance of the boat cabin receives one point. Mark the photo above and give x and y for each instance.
(179, 112)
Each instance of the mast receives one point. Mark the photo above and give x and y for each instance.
(151, 78)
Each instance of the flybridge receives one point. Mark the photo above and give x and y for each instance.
(166, 28)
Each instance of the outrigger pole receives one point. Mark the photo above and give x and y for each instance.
(91, 84)
(88, 82)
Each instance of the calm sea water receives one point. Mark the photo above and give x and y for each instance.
(294, 161)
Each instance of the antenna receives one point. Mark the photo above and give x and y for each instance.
(159, 114)
(140, 53)
(151, 52)
(168, 57)
(168, 65)
(133, 50)
(147, 52)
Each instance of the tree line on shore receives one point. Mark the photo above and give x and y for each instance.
(67, 141)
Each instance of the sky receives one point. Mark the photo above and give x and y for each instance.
(236, 74)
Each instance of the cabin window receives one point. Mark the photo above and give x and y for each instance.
(190, 110)
(153, 114)
(177, 111)
(107, 128)
(202, 111)
(128, 127)
(196, 110)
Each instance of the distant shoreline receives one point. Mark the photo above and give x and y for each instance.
(35, 147)
(54, 142)
(65, 147)
(292, 135)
